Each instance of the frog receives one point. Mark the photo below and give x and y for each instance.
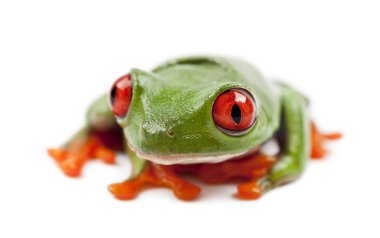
(205, 116)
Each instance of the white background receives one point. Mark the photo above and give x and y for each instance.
(55, 58)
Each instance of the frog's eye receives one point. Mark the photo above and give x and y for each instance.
(121, 95)
(234, 111)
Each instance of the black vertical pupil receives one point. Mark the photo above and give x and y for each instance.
(113, 95)
(236, 113)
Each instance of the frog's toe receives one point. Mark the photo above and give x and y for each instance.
(254, 189)
(186, 191)
(57, 154)
(249, 191)
(333, 136)
(106, 155)
(72, 165)
(318, 152)
(124, 191)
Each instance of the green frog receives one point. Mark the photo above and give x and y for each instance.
(206, 116)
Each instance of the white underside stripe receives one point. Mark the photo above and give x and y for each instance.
(187, 158)
(270, 148)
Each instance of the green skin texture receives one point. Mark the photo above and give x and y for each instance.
(178, 96)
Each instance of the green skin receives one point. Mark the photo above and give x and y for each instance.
(170, 116)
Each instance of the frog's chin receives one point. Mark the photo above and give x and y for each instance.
(188, 158)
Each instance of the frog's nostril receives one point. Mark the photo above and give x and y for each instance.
(170, 133)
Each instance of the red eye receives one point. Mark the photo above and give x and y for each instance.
(234, 111)
(121, 95)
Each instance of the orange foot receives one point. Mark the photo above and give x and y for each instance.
(72, 158)
(252, 190)
(318, 139)
(258, 183)
(155, 175)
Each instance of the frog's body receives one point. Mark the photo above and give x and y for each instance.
(170, 124)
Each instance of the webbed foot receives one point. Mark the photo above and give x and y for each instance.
(72, 158)
(254, 189)
(158, 176)
(318, 140)
(259, 182)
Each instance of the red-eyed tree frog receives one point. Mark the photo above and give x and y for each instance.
(207, 116)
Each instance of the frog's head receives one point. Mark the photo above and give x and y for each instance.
(188, 114)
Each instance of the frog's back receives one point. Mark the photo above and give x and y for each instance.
(204, 71)
(211, 70)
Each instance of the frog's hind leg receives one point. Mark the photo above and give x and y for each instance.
(318, 141)
(98, 139)
(157, 176)
(87, 145)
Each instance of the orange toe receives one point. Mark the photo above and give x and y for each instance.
(124, 191)
(187, 191)
(105, 155)
(71, 167)
(318, 152)
(57, 154)
(249, 191)
(333, 136)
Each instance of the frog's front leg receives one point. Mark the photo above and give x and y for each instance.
(98, 139)
(295, 144)
(145, 174)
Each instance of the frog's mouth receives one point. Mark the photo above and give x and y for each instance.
(188, 158)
